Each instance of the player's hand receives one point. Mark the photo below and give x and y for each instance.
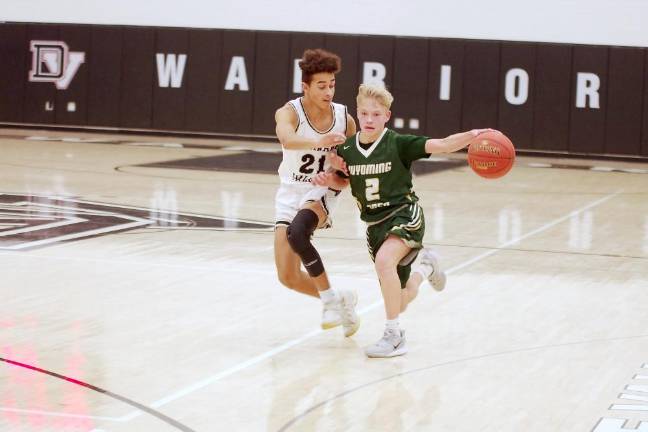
(330, 179)
(330, 140)
(337, 162)
(476, 132)
(323, 179)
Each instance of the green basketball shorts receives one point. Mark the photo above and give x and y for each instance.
(407, 223)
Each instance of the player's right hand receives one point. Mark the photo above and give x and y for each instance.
(331, 140)
(337, 162)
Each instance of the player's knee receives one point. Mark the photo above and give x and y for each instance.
(300, 230)
(384, 264)
(298, 239)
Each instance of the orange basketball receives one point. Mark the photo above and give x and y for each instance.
(491, 154)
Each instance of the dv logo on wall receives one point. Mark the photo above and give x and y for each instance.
(52, 61)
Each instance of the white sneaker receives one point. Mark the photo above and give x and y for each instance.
(350, 319)
(332, 315)
(430, 267)
(392, 344)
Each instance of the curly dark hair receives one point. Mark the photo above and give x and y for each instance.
(318, 60)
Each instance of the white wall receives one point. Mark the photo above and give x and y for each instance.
(605, 22)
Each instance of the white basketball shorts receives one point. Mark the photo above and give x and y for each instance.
(292, 196)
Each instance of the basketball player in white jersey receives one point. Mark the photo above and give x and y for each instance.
(308, 127)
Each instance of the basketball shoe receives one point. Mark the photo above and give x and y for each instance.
(332, 314)
(392, 344)
(430, 269)
(350, 319)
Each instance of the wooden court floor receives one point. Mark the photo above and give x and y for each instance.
(139, 294)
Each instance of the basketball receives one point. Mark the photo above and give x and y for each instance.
(491, 154)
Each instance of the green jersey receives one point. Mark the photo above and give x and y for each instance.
(381, 179)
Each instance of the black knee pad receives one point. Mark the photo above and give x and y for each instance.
(299, 237)
(301, 228)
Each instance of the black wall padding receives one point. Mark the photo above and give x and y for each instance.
(118, 85)
(72, 103)
(587, 125)
(168, 100)
(204, 81)
(376, 49)
(517, 119)
(235, 111)
(272, 67)
(410, 84)
(104, 63)
(623, 122)
(444, 115)
(480, 84)
(137, 75)
(644, 127)
(552, 97)
(348, 80)
(14, 55)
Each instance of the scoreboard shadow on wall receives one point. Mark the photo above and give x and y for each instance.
(558, 97)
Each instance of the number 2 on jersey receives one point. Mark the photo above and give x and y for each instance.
(308, 160)
(372, 192)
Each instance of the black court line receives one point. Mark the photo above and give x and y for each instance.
(176, 424)
(267, 163)
(366, 385)
(249, 161)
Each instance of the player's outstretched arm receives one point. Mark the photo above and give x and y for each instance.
(287, 122)
(452, 143)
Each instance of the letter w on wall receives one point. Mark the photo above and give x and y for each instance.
(170, 69)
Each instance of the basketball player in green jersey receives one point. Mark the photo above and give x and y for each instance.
(378, 162)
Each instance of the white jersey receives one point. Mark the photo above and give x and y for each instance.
(299, 166)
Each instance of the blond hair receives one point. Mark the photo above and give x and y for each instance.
(378, 93)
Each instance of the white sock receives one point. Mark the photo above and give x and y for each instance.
(329, 296)
(392, 325)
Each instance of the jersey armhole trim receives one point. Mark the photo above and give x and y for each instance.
(296, 112)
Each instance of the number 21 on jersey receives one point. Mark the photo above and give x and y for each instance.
(308, 160)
